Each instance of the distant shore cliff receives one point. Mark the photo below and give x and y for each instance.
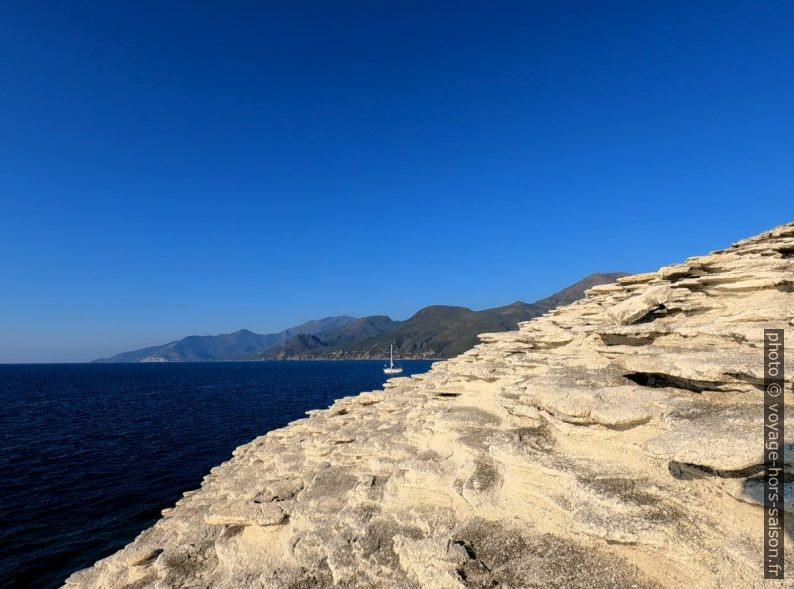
(613, 442)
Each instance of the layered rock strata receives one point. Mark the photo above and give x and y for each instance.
(615, 442)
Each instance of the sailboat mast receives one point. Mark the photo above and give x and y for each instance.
(391, 368)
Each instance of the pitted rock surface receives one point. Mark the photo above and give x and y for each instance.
(614, 442)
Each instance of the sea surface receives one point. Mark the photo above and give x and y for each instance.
(90, 453)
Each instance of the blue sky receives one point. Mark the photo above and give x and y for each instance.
(176, 168)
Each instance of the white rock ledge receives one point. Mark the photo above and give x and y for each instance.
(615, 442)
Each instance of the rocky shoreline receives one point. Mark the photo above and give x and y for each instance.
(613, 442)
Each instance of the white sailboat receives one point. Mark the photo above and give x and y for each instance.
(391, 368)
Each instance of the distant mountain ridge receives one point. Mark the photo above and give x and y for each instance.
(239, 345)
(437, 331)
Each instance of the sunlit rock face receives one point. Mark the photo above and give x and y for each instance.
(615, 442)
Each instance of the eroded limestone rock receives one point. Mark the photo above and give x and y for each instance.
(614, 442)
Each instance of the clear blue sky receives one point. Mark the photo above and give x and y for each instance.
(176, 168)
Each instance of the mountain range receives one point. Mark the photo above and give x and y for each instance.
(438, 331)
(239, 345)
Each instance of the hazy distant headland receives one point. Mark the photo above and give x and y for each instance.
(437, 331)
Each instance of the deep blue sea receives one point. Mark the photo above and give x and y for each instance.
(90, 453)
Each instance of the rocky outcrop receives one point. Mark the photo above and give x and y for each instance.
(615, 442)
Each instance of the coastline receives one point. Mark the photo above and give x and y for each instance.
(537, 450)
(292, 359)
(121, 442)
